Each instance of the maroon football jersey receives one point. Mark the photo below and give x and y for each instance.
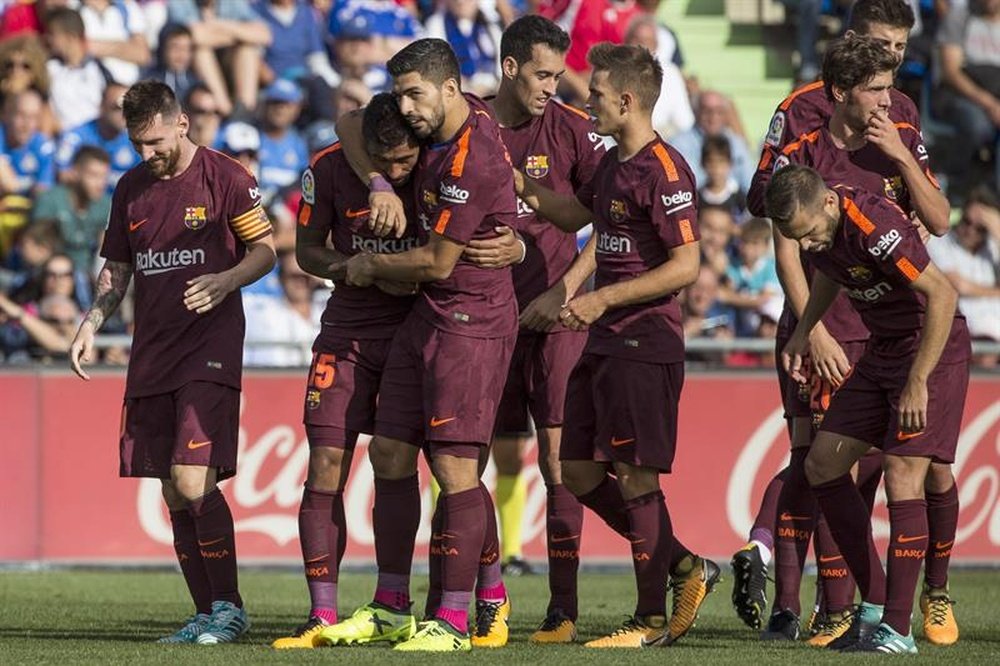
(561, 151)
(876, 255)
(805, 110)
(464, 189)
(636, 227)
(335, 200)
(172, 231)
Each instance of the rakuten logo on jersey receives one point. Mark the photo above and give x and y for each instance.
(382, 245)
(677, 201)
(612, 244)
(886, 244)
(453, 193)
(154, 263)
(870, 294)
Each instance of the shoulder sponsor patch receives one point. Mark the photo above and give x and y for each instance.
(780, 163)
(308, 187)
(887, 242)
(775, 130)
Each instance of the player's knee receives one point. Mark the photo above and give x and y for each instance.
(392, 459)
(507, 456)
(816, 472)
(905, 477)
(173, 499)
(939, 478)
(191, 483)
(454, 474)
(636, 481)
(325, 469)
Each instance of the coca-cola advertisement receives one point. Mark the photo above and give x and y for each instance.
(60, 473)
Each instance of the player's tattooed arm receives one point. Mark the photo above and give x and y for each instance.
(112, 283)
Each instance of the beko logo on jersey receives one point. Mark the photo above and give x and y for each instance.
(610, 243)
(870, 294)
(677, 201)
(886, 244)
(382, 245)
(152, 263)
(453, 193)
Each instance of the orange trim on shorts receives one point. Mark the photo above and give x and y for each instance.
(855, 215)
(573, 109)
(795, 145)
(304, 214)
(332, 148)
(907, 269)
(804, 89)
(669, 167)
(687, 234)
(458, 164)
(442, 222)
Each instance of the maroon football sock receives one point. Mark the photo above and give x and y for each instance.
(463, 529)
(319, 536)
(651, 536)
(833, 573)
(489, 583)
(395, 519)
(189, 558)
(869, 477)
(607, 502)
(767, 515)
(908, 535)
(942, 523)
(217, 544)
(434, 560)
(847, 517)
(796, 519)
(563, 525)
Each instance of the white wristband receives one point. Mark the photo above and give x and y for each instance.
(524, 251)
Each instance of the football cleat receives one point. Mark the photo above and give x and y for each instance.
(557, 627)
(189, 633)
(689, 593)
(225, 624)
(864, 620)
(887, 640)
(436, 636)
(371, 623)
(492, 623)
(749, 586)
(830, 628)
(635, 632)
(516, 566)
(940, 626)
(783, 626)
(305, 636)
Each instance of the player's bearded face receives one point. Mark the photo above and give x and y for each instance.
(397, 163)
(159, 144)
(421, 102)
(535, 81)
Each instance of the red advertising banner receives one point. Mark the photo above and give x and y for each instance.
(63, 501)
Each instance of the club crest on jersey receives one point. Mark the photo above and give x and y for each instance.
(537, 166)
(430, 198)
(195, 217)
(312, 398)
(859, 273)
(618, 210)
(894, 187)
(308, 187)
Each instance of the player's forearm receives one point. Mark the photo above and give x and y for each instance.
(257, 262)
(929, 203)
(352, 143)
(581, 269)
(421, 264)
(564, 211)
(134, 50)
(938, 318)
(45, 334)
(673, 275)
(821, 295)
(790, 274)
(317, 260)
(112, 283)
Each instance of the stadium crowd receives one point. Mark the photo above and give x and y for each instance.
(265, 81)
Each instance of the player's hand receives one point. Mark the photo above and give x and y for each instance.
(543, 312)
(795, 355)
(82, 349)
(518, 182)
(913, 407)
(883, 133)
(500, 251)
(583, 311)
(206, 291)
(360, 271)
(387, 215)
(394, 288)
(828, 358)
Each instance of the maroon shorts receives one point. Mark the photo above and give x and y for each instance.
(866, 408)
(618, 410)
(441, 387)
(808, 400)
(197, 424)
(536, 383)
(342, 388)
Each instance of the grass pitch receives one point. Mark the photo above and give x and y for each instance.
(74, 617)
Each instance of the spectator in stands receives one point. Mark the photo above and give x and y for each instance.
(78, 80)
(969, 256)
(390, 26)
(350, 96)
(672, 113)
(106, 131)
(751, 285)
(720, 188)
(81, 207)
(29, 153)
(116, 35)
(22, 66)
(473, 30)
(38, 332)
(204, 116)
(356, 54)
(712, 118)
(241, 141)
(282, 326)
(26, 17)
(174, 64)
(969, 100)
(283, 151)
(25, 253)
(232, 27)
(703, 315)
(717, 228)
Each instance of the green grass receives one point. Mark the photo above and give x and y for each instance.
(73, 617)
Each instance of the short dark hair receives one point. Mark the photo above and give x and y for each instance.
(384, 127)
(198, 87)
(144, 100)
(853, 61)
(523, 34)
(756, 229)
(630, 68)
(89, 152)
(431, 58)
(984, 195)
(790, 188)
(43, 231)
(65, 20)
(716, 146)
(894, 13)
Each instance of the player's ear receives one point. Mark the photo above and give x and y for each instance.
(509, 67)
(183, 124)
(839, 94)
(628, 102)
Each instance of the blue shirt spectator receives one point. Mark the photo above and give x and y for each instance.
(107, 131)
(187, 12)
(30, 153)
(283, 151)
(296, 33)
(381, 17)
